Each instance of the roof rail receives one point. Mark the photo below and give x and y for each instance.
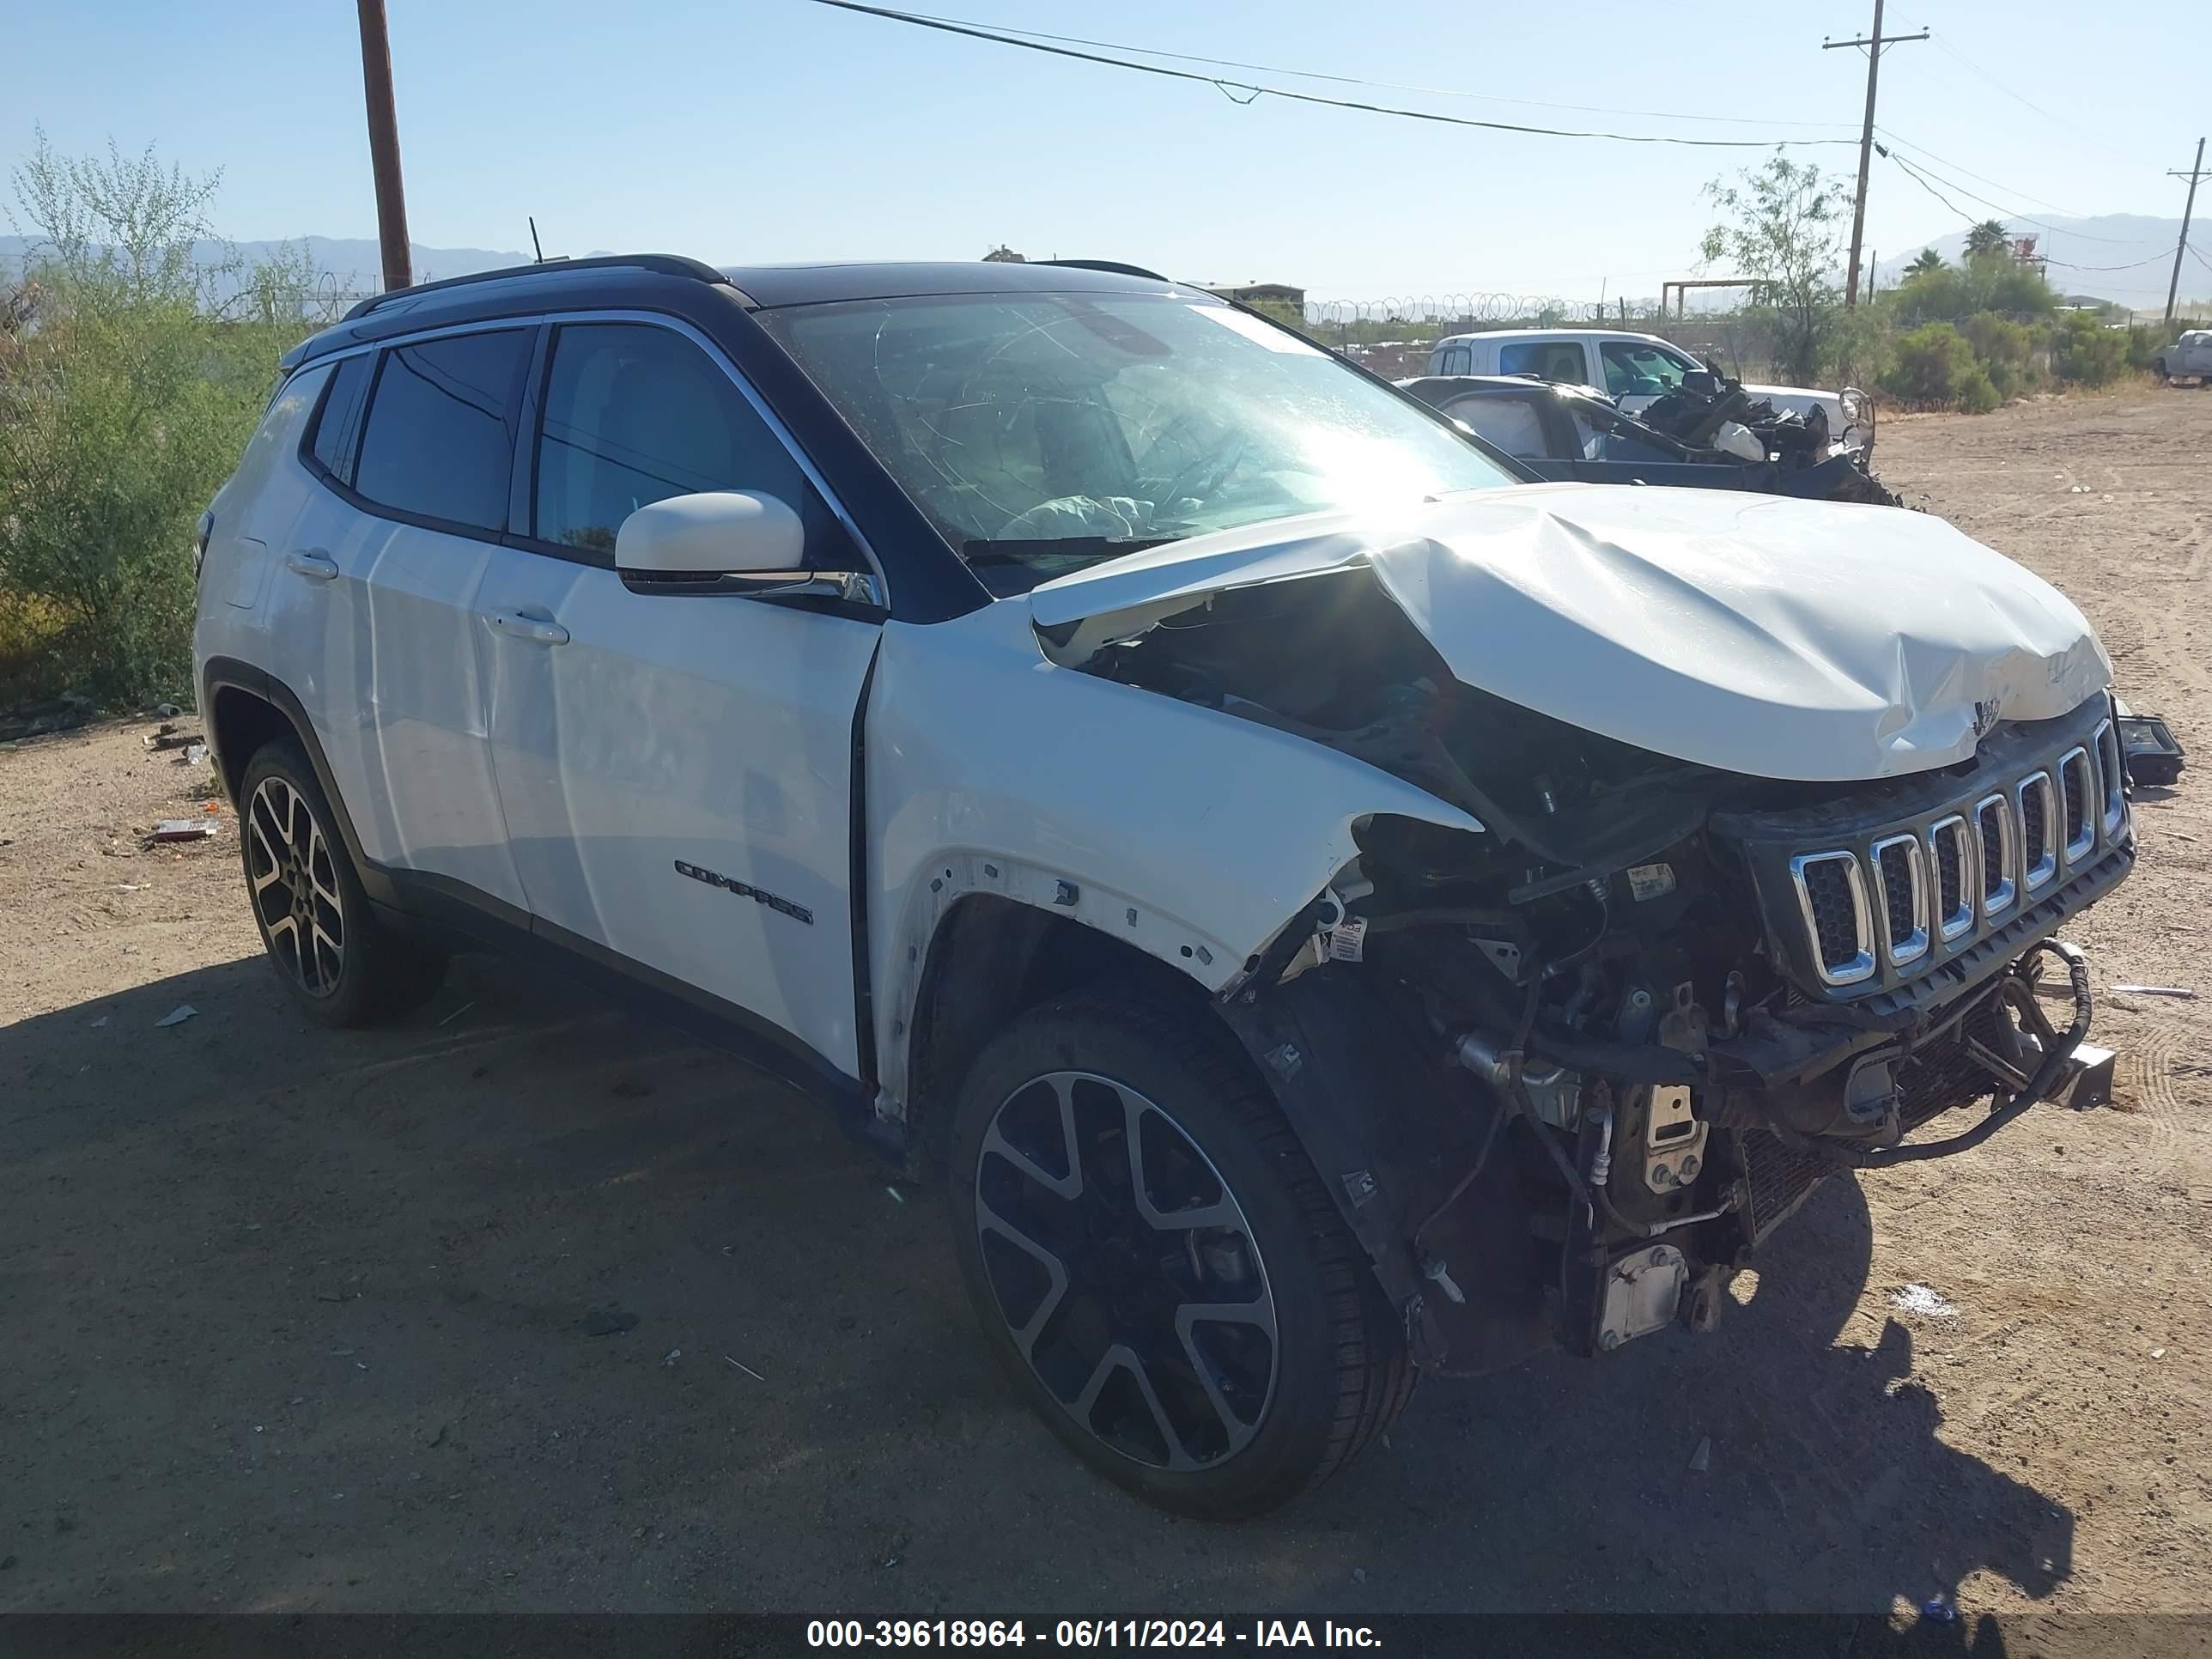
(1113, 267)
(667, 264)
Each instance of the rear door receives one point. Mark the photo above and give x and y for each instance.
(676, 767)
(377, 590)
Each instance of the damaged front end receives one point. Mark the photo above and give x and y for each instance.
(1566, 1073)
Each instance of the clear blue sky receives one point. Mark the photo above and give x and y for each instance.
(748, 130)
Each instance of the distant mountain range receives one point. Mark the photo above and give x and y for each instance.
(2142, 246)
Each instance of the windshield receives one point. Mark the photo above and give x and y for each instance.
(1044, 432)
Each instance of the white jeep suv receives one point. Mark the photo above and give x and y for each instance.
(1328, 908)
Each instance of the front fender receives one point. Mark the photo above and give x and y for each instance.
(1191, 835)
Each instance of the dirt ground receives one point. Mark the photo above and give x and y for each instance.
(292, 1320)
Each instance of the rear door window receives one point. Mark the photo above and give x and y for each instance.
(1514, 424)
(635, 413)
(1559, 361)
(1456, 359)
(439, 442)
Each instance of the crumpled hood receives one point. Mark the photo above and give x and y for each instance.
(1779, 638)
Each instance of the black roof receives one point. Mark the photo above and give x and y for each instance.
(672, 283)
(805, 285)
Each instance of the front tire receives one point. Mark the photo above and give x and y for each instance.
(1157, 1265)
(342, 965)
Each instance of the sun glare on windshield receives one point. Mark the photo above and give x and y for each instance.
(1042, 430)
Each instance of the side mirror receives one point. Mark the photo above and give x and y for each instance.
(718, 533)
(730, 542)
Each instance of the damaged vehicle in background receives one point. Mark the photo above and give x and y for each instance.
(1330, 909)
(1708, 434)
(1636, 371)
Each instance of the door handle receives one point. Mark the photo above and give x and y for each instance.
(538, 631)
(314, 564)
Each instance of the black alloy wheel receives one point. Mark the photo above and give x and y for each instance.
(343, 964)
(294, 876)
(1126, 1271)
(1154, 1263)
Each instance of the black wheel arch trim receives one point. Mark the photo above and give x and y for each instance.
(221, 674)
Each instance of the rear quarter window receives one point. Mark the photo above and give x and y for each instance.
(337, 422)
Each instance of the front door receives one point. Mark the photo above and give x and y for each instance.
(675, 768)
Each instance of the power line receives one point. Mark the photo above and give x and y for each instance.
(1230, 88)
(1379, 86)
(1889, 156)
(2154, 259)
(1994, 184)
(2010, 213)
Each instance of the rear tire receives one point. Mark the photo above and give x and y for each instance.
(1086, 1264)
(342, 965)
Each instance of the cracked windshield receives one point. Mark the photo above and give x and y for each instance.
(1044, 432)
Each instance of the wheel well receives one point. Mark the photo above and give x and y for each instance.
(237, 725)
(991, 959)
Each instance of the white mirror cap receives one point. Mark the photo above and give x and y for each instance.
(714, 533)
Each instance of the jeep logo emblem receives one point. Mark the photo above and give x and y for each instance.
(1985, 719)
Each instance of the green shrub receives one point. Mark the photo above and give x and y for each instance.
(1992, 283)
(1937, 365)
(2088, 353)
(120, 415)
(2010, 352)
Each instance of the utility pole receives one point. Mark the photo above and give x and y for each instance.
(384, 147)
(1874, 43)
(2194, 172)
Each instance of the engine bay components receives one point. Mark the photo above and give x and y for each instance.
(1674, 1140)
(1643, 1294)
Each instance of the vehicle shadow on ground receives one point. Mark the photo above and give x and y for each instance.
(524, 1304)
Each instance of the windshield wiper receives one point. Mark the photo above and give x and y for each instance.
(1028, 549)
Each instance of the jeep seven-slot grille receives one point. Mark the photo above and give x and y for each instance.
(1955, 906)
(2077, 789)
(1831, 891)
(1994, 830)
(2034, 825)
(1884, 903)
(1895, 862)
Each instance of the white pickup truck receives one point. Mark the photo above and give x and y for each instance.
(2191, 355)
(1635, 370)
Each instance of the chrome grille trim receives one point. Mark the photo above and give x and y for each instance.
(1995, 810)
(1914, 945)
(2075, 762)
(2111, 767)
(2040, 862)
(1861, 965)
(1950, 924)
